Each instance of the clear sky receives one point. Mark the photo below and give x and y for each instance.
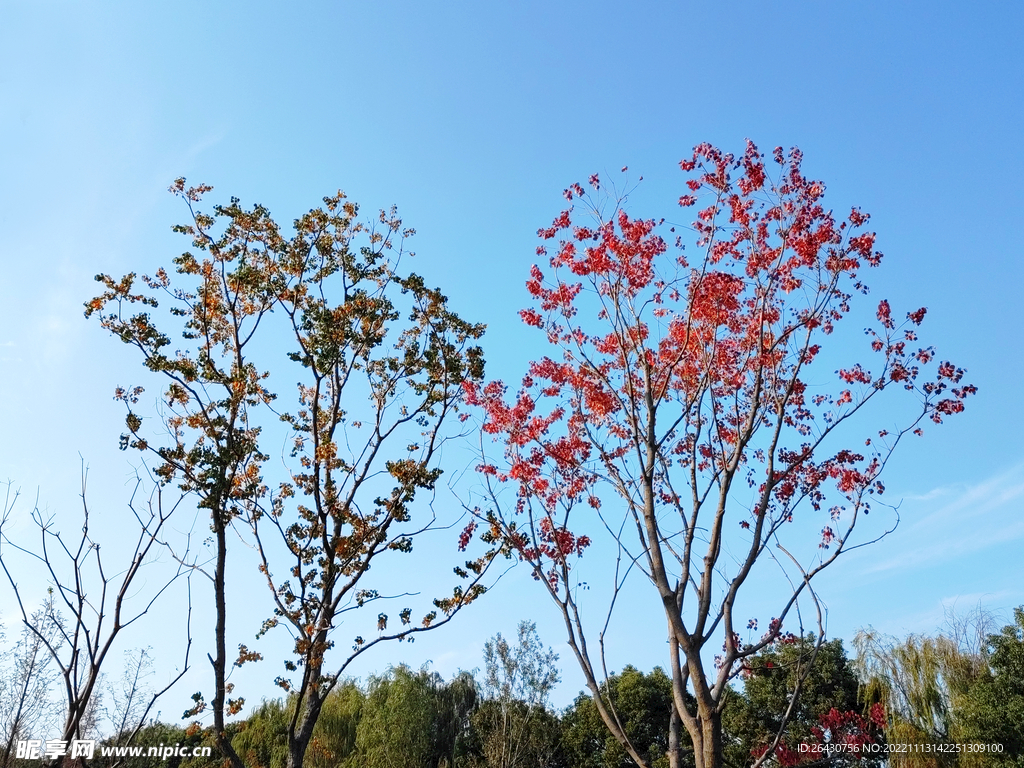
(473, 117)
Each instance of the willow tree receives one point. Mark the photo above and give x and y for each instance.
(953, 697)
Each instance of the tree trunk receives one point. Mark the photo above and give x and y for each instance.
(711, 754)
(707, 741)
(675, 759)
(298, 742)
(220, 660)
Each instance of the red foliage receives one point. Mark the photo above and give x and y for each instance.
(845, 734)
(674, 370)
(727, 330)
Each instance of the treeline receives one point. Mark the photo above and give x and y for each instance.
(964, 686)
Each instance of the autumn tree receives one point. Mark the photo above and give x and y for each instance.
(212, 452)
(380, 361)
(683, 411)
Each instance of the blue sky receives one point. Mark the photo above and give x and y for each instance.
(472, 118)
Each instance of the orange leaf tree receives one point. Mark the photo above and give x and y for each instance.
(681, 412)
(381, 361)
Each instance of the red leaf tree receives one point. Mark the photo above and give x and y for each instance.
(681, 412)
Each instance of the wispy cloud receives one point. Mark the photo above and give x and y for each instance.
(934, 493)
(967, 520)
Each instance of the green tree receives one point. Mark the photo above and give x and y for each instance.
(262, 740)
(908, 678)
(513, 726)
(334, 738)
(414, 718)
(926, 685)
(992, 711)
(158, 734)
(826, 681)
(642, 704)
(456, 702)
(514, 734)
